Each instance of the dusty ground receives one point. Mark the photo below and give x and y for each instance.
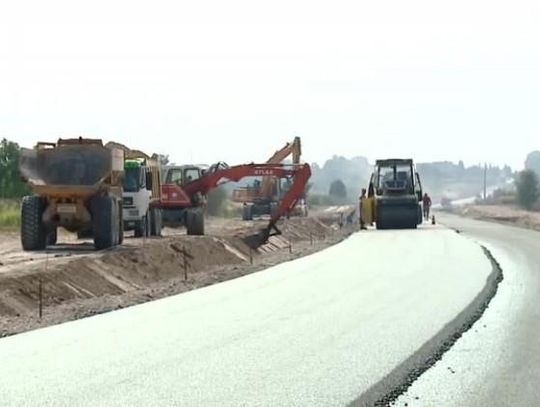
(76, 281)
(503, 214)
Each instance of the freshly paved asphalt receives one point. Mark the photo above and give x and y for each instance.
(319, 330)
(497, 362)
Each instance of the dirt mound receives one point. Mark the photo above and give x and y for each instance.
(504, 214)
(294, 229)
(304, 228)
(76, 286)
(115, 272)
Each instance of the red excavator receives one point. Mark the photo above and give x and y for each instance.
(264, 195)
(183, 194)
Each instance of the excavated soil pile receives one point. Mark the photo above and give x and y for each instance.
(115, 272)
(503, 214)
(78, 286)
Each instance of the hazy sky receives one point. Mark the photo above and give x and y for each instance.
(233, 80)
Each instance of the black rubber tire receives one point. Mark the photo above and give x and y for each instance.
(189, 221)
(247, 212)
(156, 221)
(152, 223)
(121, 223)
(159, 227)
(141, 228)
(414, 222)
(115, 224)
(52, 237)
(148, 225)
(199, 222)
(33, 232)
(103, 222)
(85, 234)
(195, 222)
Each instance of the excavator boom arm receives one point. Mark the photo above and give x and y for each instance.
(300, 174)
(294, 149)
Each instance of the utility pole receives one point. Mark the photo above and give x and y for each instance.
(485, 182)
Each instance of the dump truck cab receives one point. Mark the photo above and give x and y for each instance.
(140, 199)
(398, 193)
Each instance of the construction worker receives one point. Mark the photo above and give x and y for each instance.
(426, 205)
(365, 210)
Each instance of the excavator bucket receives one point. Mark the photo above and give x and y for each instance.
(259, 238)
(256, 239)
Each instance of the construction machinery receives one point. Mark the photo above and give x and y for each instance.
(141, 192)
(185, 188)
(263, 196)
(178, 206)
(77, 185)
(398, 194)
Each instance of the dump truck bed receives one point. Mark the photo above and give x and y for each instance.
(71, 170)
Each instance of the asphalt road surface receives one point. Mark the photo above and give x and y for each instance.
(320, 330)
(497, 362)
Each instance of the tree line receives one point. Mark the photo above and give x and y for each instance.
(11, 185)
(527, 184)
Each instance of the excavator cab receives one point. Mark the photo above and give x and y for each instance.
(181, 175)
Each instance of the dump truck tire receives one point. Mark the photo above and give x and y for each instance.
(33, 233)
(141, 230)
(152, 222)
(104, 222)
(156, 221)
(85, 234)
(148, 224)
(247, 212)
(52, 237)
(159, 217)
(115, 224)
(121, 223)
(195, 222)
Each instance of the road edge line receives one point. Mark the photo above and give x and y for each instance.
(397, 382)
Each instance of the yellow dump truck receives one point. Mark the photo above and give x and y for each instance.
(77, 185)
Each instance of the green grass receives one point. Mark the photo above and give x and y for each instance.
(10, 214)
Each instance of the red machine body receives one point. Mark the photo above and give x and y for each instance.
(192, 194)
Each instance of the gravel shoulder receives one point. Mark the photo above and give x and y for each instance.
(504, 214)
